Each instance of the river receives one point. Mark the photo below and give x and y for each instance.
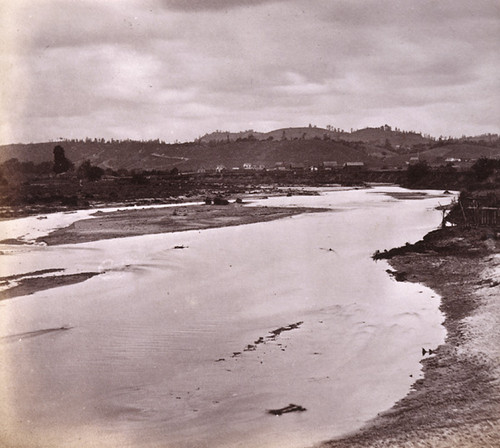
(192, 347)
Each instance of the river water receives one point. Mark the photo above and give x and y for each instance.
(191, 348)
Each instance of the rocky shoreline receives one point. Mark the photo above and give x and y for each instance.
(457, 402)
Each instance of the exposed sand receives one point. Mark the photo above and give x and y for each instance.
(134, 222)
(31, 283)
(150, 221)
(457, 403)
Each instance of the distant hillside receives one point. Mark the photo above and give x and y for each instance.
(398, 139)
(460, 151)
(376, 147)
(190, 156)
(385, 134)
(379, 136)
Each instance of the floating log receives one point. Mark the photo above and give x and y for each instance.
(290, 408)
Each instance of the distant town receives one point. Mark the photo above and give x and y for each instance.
(75, 173)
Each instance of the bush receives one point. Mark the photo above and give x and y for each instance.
(90, 172)
(220, 201)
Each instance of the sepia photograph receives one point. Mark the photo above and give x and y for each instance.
(249, 224)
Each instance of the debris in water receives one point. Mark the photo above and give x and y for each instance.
(290, 408)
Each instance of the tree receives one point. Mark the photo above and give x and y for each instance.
(484, 168)
(61, 163)
(418, 171)
(3, 181)
(90, 172)
(139, 179)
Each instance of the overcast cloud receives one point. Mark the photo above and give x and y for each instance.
(174, 69)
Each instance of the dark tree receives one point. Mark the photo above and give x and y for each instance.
(484, 168)
(90, 172)
(139, 179)
(3, 181)
(61, 163)
(418, 171)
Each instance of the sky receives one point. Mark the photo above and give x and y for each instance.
(177, 69)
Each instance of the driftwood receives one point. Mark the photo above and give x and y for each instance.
(290, 408)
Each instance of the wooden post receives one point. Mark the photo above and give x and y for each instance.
(463, 213)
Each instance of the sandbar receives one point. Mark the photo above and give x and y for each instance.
(30, 285)
(148, 221)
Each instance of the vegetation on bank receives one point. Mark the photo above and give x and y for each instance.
(474, 215)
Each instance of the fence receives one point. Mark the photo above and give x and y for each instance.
(483, 216)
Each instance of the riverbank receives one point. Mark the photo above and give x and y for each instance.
(457, 403)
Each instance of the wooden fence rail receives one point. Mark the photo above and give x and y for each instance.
(483, 216)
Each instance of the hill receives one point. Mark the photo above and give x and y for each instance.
(378, 136)
(190, 156)
(464, 151)
(375, 147)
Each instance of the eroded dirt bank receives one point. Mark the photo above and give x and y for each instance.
(457, 403)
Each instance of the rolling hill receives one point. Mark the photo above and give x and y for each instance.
(376, 147)
(190, 156)
(377, 136)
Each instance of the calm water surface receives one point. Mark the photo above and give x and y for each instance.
(175, 348)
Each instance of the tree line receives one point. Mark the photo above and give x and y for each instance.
(14, 169)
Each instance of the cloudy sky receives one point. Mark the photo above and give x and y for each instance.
(177, 69)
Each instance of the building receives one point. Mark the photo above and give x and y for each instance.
(297, 166)
(354, 166)
(330, 165)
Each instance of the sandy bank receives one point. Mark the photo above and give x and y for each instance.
(32, 282)
(457, 403)
(162, 220)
